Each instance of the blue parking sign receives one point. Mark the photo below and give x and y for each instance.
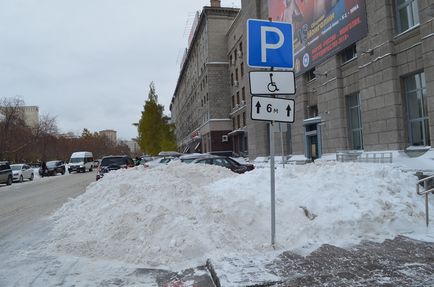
(269, 44)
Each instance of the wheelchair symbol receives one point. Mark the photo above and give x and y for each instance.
(272, 87)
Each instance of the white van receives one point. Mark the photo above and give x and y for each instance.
(80, 161)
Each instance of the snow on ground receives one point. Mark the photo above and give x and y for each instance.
(179, 215)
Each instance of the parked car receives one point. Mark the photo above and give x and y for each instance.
(113, 162)
(80, 161)
(160, 160)
(53, 167)
(20, 172)
(144, 159)
(5, 173)
(225, 161)
(189, 158)
(169, 154)
(96, 163)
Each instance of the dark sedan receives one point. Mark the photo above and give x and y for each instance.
(53, 167)
(225, 161)
(109, 163)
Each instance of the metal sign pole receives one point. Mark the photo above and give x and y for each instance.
(272, 180)
(281, 144)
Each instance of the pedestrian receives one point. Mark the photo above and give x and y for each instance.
(44, 168)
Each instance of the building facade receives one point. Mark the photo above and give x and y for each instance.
(110, 134)
(200, 104)
(364, 78)
(31, 115)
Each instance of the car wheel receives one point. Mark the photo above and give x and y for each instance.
(9, 182)
(63, 172)
(90, 169)
(31, 177)
(21, 178)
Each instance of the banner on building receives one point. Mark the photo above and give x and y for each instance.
(321, 28)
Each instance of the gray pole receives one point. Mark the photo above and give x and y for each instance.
(272, 180)
(281, 143)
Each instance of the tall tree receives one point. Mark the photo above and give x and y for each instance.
(11, 118)
(155, 134)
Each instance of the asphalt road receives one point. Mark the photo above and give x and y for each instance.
(24, 204)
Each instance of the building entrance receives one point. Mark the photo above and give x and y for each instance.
(312, 138)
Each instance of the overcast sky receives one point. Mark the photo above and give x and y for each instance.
(89, 63)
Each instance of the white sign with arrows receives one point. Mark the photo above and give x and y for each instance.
(272, 83)
(272, 109)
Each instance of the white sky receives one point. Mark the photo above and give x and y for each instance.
(90, 63)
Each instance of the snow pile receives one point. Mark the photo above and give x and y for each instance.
(179, 215)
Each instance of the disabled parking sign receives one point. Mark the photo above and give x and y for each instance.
(269, 44)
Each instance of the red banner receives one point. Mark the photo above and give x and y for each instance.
(321, 28)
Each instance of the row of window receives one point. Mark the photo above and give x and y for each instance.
(241, 72)
(239, 121)
(236, 98)
(417, 113)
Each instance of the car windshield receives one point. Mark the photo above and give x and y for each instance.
(113, 161)
(234, 162)
(51, 163)
(76, 160)
(15, 166)
(165, 160)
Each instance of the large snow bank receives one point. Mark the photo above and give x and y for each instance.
(179, 215)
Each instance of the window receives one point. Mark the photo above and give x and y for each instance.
(310, 75)
(242, 69)
(243, 94)
(355, 121)
(233, 101)
(238, 98)
(407, 14)
(232, 79)
(415, 94)
(244, 119)
(238, 121)
(236, 74)
(349, 53)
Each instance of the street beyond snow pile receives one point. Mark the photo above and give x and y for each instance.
(178, 215)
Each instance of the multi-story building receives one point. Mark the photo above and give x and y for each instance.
(364, 77)
(110, 134)
(201, 103)
(29, 114)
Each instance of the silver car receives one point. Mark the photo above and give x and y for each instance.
(20, 172)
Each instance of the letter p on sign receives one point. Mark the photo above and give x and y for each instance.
(269, 44)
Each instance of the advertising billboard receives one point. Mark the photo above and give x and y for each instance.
(321, 28)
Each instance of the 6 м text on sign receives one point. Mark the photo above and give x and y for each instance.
(272, 109)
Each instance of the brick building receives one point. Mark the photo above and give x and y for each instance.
(369, 86)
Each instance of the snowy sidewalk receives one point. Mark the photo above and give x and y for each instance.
(398, 262)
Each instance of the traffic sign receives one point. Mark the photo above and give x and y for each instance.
(269, 44)
(272, 109)
(272, 83)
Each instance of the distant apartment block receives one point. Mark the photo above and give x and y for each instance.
(31, 115)
(110, 134)
(133, 146)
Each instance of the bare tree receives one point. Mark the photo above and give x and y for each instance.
(12, 118)
(43, 133)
